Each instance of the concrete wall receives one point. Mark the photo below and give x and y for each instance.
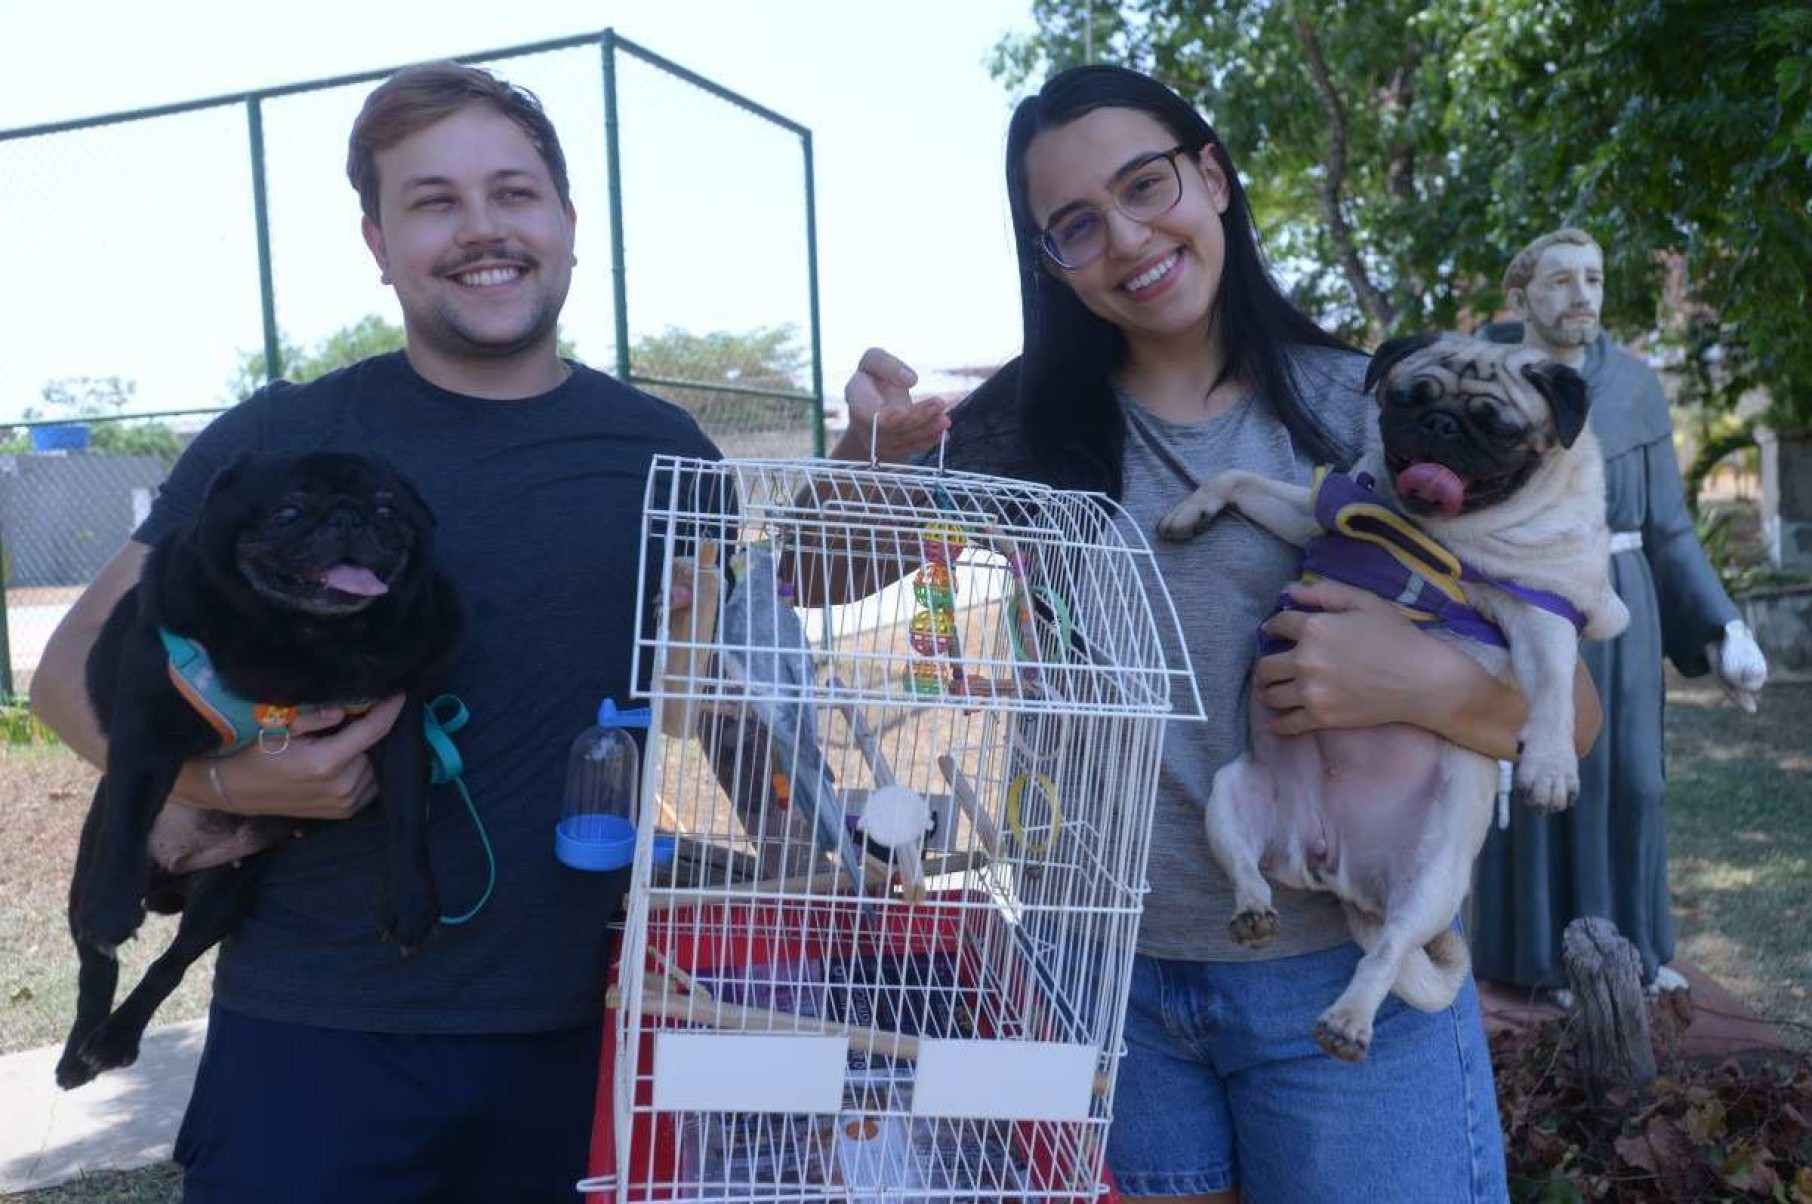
(1782, 621)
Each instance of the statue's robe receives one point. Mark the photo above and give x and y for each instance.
(1607, 855)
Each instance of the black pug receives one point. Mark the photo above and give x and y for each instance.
(306, 579)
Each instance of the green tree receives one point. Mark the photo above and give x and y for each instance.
(370, 335)
(1399, 152)
(691, 369)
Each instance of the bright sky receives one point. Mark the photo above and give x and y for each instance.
(132, 254)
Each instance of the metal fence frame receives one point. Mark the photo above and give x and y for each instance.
(610, 44)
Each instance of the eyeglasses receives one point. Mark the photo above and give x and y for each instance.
(1146, 189)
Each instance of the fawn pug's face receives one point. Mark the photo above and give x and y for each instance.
(1467, 423)
(326, 534)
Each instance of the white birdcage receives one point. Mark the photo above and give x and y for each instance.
(889, 956)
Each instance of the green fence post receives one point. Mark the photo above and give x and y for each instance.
(267, 295)
(811, 278)
(619, 279)
(6, 644)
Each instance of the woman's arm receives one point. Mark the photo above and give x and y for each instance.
(1358, 663)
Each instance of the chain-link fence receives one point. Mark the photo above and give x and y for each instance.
(180, 256)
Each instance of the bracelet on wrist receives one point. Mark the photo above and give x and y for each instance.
(220, 791)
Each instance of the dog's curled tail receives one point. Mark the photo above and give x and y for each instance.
(1430, 977)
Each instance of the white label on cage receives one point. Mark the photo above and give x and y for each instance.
(748, 1072)
(1004, 1080)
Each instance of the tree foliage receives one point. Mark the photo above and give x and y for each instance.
(370, 335)
(766, 358)
(1399, 153)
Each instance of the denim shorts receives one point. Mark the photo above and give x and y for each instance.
(1224, 1084)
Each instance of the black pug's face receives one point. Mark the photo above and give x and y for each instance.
(326, 534)
(1466, 423)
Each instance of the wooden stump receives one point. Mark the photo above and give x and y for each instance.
(1605, 973)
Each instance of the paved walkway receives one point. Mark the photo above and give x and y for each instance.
(124, 1119)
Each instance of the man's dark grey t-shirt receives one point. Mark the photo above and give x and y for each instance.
(538, 505)
(1223, 584)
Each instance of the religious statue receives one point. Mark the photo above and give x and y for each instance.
(1607, 855)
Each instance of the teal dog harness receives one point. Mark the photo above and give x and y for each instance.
(239, 723)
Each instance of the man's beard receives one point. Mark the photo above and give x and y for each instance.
(447, 327)
(1566, 331)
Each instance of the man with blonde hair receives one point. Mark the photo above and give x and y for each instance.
(337, 1070)
(1607, 855)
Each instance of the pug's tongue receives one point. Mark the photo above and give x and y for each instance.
(1435, 484)
(352, 579)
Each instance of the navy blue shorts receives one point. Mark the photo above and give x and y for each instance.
(285, 1112)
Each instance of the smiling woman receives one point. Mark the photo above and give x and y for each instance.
(1158, 351)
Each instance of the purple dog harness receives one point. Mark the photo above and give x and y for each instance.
(1367, 544)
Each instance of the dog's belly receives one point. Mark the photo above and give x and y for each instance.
(185, 839)
(1353, 807)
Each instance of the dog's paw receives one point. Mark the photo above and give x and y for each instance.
(1253, 928)
(1343, 1036)
(409, 920)
(73, 1070)
(1190, 517)
(1549, 781)
(110, 1047)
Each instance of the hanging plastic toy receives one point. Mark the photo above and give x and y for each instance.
(937, 660)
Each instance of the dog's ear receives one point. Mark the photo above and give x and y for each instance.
(1393, 352)
(1567, 394)
(229, 476)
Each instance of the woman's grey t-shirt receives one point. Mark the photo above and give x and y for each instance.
(1223, 584)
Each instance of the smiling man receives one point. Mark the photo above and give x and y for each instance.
(335, 1068)
(470, 218)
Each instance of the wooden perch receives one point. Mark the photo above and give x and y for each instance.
(835, 880)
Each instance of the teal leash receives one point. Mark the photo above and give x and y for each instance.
(440, 719)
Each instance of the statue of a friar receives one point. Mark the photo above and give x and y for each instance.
(1607, 856)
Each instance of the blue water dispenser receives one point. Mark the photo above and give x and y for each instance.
(603, 789)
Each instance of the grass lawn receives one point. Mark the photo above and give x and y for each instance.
(161, 1184)
(1740, 831)
(44, 793)
(1739, 814)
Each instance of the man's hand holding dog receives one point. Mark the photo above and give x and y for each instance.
(325, 772)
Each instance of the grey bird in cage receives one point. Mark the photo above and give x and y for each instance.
(764, 647)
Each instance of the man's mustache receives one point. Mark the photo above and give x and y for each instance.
(468, 258)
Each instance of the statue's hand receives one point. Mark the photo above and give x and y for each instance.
(1738, 664)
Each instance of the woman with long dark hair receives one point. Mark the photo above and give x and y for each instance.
(1158, 351)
